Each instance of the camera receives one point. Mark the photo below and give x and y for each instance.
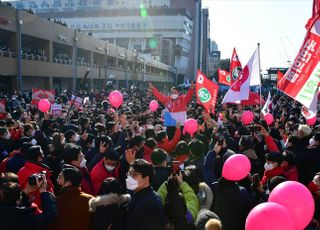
(32, 180)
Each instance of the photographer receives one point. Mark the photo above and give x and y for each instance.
(191, 200)
(16, 216)
(34, 165)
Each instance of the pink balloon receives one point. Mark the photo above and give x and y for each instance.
(269, 118)
(191, 126)
(236, 167)
(116, 99)
(297, 199)
(153, 105)
(312, 121)
(247, 117)
(268, 216)
(44, 105)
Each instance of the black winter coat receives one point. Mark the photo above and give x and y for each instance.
(145, 211)
(231, 204)
(24, 218)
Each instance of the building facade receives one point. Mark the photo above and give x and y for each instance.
(38, 53)
(137, 25)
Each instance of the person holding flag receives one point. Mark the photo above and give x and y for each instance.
(176, 106)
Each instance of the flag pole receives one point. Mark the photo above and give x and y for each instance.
(259, 71)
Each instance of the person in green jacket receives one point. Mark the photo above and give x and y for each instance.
(189, 195)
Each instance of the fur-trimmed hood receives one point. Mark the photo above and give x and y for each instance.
(206, 196)
(106, 200)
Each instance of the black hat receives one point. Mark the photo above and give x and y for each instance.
(246, 142)
(68, 134)
(182, 148)
(204, 216)
(111, 155)
(274, 157)
(158, 156)
(273, 182)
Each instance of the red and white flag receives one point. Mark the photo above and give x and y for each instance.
(224, 77)
(207, 92)
(76, 102)
(240, 89)
(312, 111)
(235, 66)
(302, 79)
(38, 94)
(266, 107)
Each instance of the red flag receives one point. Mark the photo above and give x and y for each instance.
(301, 80)
(207, 92)
(235, 66)
(280, 76)
(224, 77)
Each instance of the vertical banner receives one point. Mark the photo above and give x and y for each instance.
(207, 92)
(302, 79)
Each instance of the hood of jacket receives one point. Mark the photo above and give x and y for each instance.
(205, 196)
(250, 153)
(108, 199)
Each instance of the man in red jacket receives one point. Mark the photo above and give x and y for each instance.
(272, 166)
(34, 165)
(175, 104)
(110, 166)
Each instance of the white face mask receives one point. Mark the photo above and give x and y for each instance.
(268, 166)
(131, 183)
(312, 142)
(174, 96)
(83, 163)
(77, 138)
(34, 142)
(8, 136)
(109, 168)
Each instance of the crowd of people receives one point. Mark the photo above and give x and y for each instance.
(97, 167)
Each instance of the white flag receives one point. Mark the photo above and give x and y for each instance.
(241, 87)
(265, 108)
(312, 111)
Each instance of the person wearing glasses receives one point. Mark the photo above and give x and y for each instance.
(145, 210)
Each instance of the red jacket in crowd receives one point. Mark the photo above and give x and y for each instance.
(291, 173)
(268, 174)
(86, 184)
(178, 105)
(32, 168)
(147, 151)
(99, 173)
(169, 146)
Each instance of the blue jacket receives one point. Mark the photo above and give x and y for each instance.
(145, 211)
(209, 167)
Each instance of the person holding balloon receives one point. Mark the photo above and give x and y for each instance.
(176, 105)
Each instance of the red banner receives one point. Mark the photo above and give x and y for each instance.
(38, 94)
(224, 77)
(301, 80)
(235, 66)
(207, 92)
(280, 76)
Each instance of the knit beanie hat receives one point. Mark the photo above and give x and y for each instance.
(203, 216)
(158, 156)
(182, 148)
